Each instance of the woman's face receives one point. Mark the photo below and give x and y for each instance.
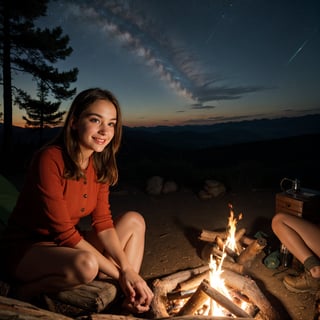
(96, 126)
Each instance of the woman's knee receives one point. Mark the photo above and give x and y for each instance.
(136, 220)
(277, 220)
(86, 267)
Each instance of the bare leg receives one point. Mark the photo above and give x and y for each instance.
(301, 237)
(131, 229)
(48, 268)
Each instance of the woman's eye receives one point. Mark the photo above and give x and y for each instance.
(95, 120)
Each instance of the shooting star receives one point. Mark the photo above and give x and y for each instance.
(301, 47)
(297, 51)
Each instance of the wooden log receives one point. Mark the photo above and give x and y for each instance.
(121, 317)
(244, 284)
(94, 297)
(182, 294)
(248, 287)
(239, 234)
(162, 287)
(193, 282)
(222, 300)
(195, 301)
(16, 309)
(210, 236)
(226, 249)
(237, 237)
(253, 249)
(212, 249)
(233, 266)
(246, 240)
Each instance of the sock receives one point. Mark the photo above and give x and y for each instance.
(311, 262)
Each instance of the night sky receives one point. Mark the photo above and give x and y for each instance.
(177, 62)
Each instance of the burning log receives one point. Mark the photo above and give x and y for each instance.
(167, 284)
(212, 249)
(222, 300)
(253, 249)
(228, 251)
(239, 234)
(248, 287)
(210, 236)
(244, 284)
(193, 282)
(183, 294)
(233, 266)
(195, 302)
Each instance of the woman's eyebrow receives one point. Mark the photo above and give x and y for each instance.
(98, 115)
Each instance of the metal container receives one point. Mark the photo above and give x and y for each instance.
(285, 256)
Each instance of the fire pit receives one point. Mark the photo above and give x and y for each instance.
(220, 289)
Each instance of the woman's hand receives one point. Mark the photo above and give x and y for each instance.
(138, 294)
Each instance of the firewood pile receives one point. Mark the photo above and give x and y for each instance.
(238, 259)
(194, 293)
(184, 294)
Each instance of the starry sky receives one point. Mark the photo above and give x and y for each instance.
(180, 62)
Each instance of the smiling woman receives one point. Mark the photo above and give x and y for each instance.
(45, 251)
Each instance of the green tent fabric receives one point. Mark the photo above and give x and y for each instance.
(8, 198)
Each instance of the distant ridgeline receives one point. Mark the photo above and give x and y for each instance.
(198, 136)
(224, 134)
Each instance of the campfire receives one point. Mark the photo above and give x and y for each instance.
(220, 289)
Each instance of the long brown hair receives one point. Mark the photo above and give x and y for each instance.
(104, 162)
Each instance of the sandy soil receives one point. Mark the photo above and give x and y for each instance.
(173, 224)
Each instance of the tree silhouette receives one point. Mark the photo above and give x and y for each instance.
(41, 113)
(27, 49)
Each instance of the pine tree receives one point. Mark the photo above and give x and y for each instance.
(41, 113)
(25, 48)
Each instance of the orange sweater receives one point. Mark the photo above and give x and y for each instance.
(50, 206)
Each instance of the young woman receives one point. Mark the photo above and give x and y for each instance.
(302, 238)
(69, 179)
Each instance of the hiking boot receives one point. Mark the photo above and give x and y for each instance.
(302, 283)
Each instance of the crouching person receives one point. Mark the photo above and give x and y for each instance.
(69, 179)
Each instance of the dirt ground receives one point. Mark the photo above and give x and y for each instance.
(173, 224)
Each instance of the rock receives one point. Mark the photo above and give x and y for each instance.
(204, 195)
(169, 187)
(154, 185)
(214, 188)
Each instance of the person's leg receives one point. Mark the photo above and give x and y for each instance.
(50, 269)
(130, 228)
(301, 238)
